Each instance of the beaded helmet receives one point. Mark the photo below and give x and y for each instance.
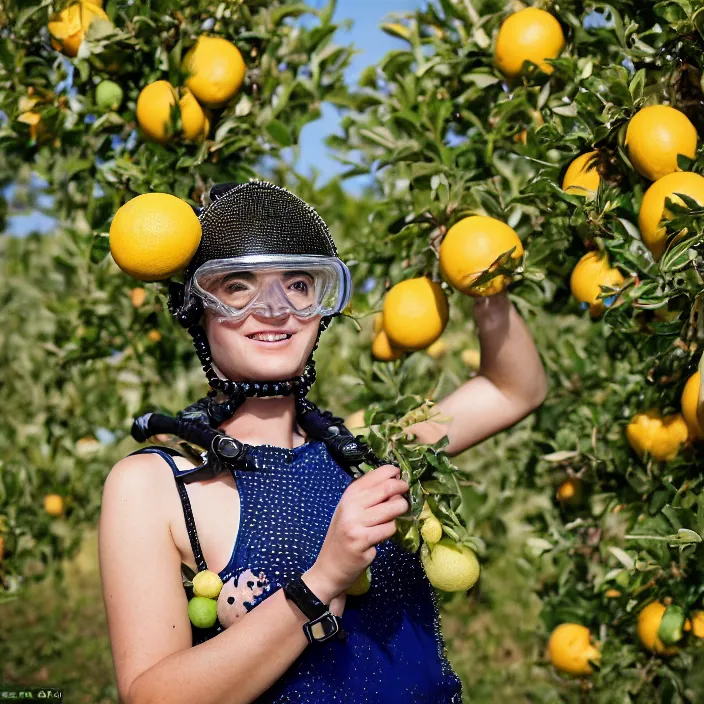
(247, 219)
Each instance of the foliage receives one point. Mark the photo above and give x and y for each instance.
(446, 135)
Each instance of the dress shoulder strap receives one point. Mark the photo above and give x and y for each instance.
(167, 454)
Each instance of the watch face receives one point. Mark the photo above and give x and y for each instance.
(323, 627)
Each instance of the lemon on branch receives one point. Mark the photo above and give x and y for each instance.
(696, 625)
(415, 313)
(215, 71)
(653, 210)
(688, 402)
(154, 236)
(383, 350)
(649, 620)
(431, 530)
(68, 27)
(193, 119)
(582, 177)
(570, 649)
(590, 273)
(470, 247)
(450, 567)
(570, 491)
(54, 504)
(659, 435)
(528, 35)
(154, 108)
(655, 136)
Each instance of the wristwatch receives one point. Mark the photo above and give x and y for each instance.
(323, 624)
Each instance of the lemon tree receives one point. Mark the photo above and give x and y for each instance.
(88, 348)
(578, 126)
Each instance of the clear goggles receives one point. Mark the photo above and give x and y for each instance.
(272, 285)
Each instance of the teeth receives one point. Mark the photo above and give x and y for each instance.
(270, 337)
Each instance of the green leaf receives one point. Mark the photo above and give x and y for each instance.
(279, 133)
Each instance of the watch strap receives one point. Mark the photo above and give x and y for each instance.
(300, 594)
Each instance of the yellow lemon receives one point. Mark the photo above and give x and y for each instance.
(383, 350)
(652, 208)
(216, 71)
(580, 180)
(470, 247)
(207, 584)
(362, 584)
(437, 349)
(138, 296)
(689, 401)
(648, 624)
(528, 35)
(449, 566)
(154, 106)
(154, 236)
(193, 119)
(2, 548)
(33, 119)
(54, 504)
(431, 530)
(68, 27)
(415, 313)
(655, 136)
(696, 625)
(154, 336)
(592, 271)
(659, 435)
(472, 358)
(570, 649)
(612, 593)
(378, 322)
(570, 491)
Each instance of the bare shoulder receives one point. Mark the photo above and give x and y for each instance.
(135, 542)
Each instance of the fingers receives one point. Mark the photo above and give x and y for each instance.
(375, 476)
(386, 511)
(382, 532)
(380, 492)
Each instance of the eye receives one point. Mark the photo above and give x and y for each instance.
(300, 286)
(234, 286)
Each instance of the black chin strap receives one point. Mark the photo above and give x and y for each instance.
(199, 422)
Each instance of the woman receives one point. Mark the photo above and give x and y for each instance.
(263, 285)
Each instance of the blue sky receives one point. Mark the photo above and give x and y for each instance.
(372, 44)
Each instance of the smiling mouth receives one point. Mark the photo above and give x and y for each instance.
(270, 337)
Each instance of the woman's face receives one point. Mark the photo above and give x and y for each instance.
(240, 356)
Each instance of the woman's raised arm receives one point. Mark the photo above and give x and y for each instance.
(511, 382)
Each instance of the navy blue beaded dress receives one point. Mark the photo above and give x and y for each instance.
(394, 652)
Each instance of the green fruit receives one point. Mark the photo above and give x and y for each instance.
(108, 95)
(362, 584)
(207, 584)
(670, 630)
(202, 612)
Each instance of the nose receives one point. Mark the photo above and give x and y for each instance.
(271, 302)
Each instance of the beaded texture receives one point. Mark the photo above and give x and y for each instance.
(395, 651)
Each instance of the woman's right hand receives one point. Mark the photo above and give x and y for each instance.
(364, 517)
